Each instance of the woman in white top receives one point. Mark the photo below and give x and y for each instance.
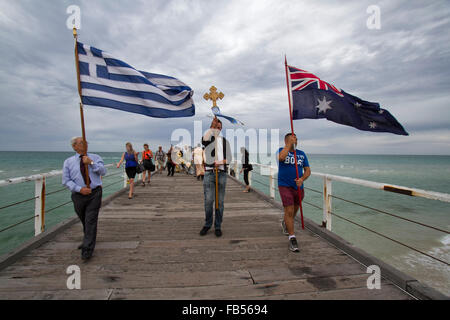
(199, 159)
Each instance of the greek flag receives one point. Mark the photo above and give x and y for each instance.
(111, 83)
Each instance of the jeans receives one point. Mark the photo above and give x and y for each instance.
(209, 187)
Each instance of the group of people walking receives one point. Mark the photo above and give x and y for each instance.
(134, 166)
(82, 175)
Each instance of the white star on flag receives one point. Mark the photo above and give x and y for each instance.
(372, 125)
(357, 104)
(324, 105)
(381, 111)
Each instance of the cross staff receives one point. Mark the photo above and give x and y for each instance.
(213, 95)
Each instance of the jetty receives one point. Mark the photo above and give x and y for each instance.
(149, 247)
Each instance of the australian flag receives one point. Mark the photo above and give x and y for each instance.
(314, 98)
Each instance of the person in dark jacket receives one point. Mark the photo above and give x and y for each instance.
(217, 155)
(246, 168)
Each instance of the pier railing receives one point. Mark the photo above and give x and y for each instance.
(327, 196)
(40, 195)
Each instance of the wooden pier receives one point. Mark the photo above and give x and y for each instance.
(149, 248)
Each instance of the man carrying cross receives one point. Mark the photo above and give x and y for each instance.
(217, 157)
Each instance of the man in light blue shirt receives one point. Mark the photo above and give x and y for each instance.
(86, 200)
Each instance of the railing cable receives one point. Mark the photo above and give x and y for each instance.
(391, 214)
(17, 223)
(389, 238)
(18, 202)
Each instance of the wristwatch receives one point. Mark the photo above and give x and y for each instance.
(92, 162)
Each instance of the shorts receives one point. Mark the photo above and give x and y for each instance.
(131, 172)
(289, 196)
(160, 163)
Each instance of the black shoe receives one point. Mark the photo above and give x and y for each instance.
(218, 232)
(80, 246)
(86, 255)
(293, 245)
(204, 231)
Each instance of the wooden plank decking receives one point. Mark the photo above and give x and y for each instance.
(149, 248)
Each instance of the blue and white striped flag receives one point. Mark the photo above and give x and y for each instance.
(109, 82)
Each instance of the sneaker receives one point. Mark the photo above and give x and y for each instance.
(204, 231)
(283, 228)
(218, 232)
(293, 245)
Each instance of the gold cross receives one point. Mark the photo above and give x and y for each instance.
(213, 95)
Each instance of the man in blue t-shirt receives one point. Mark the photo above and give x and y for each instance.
(288, 184)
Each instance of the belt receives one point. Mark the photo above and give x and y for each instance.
(92, 190)
(212, 169)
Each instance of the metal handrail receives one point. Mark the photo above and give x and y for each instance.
(433, 195)
(35, 177)
(40, 196)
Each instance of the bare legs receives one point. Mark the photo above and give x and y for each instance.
(289, 215)
(143, 176)
(130, 194)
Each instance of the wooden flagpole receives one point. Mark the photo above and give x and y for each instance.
(216, 170)
(83, 131)
(292, 130)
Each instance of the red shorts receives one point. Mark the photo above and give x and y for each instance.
(289, 196)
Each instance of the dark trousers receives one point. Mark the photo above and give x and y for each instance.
(246, 176)
(87, 208)
(170, 168)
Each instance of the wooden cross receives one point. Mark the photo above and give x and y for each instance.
(213, 95)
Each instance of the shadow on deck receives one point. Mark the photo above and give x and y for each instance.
(149, 248)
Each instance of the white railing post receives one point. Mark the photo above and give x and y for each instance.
(39, 206)
(236, 172)
(326, 220)
(272, 183)
(250, 178)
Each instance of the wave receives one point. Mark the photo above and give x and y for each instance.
(445, 240)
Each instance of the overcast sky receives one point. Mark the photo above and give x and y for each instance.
(239, 47)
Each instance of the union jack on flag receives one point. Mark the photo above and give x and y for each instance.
(300, 79)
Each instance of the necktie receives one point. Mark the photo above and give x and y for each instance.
(83, 169)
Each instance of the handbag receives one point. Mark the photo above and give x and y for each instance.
(149, 165)
(152, 166)
(140, 168)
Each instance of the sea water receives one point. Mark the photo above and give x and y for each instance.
(423, 172)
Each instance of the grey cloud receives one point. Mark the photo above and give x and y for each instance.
(238, 46)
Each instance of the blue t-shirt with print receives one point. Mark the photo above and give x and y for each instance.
(286, 168)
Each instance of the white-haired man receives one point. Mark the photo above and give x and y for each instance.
(86, 200)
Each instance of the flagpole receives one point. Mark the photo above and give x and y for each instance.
(292, 130)
(83, 131)
(216, 171)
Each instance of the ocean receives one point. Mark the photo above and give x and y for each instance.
(423, 172)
